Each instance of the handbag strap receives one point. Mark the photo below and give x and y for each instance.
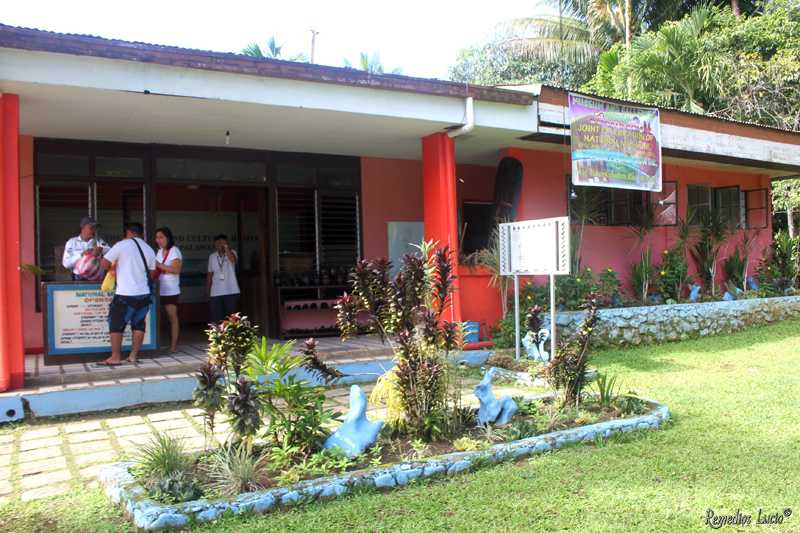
(144, 262)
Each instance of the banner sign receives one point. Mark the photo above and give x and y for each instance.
(535, 247)
(613, 145)
(76, 321)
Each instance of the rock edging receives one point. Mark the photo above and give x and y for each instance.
(674, 322)
(121, 487)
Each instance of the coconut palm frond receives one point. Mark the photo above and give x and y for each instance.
(253, 50)
(550, 39)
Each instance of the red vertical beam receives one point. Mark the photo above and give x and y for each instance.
(440, 213)
(12, 358)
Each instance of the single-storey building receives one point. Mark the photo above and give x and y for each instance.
(308, 168)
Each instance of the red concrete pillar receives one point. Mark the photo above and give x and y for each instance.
(12, 358)
(440, 212)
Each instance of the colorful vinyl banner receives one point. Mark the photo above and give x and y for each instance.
(613, 145)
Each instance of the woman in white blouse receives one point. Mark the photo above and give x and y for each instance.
(168, 271)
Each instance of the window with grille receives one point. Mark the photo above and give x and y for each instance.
(607, 207)
(338, 230)
(725, 200)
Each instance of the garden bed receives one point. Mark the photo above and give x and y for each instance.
(122, 487)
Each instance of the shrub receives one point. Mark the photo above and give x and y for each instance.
(294, 410)
(208, 395)
(734, 267)
(631, 404)
(714, 231)
(408, 309)
(162, 457)
(673, 274)
(230, 342)
(174, 489)
(243, 409)
(607, 390)
(566, 371)
(573, 289)
(642, 275)
(467, 444)
(233, 469)
(609, 288)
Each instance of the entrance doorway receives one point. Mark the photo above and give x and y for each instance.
(198, 213)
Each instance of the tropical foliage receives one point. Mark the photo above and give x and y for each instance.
(272, 50)
(370, 63)
(408, 311)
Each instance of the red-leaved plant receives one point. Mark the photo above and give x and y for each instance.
(407, 312)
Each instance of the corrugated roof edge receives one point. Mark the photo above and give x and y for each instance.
(670, 109)
(93, 46)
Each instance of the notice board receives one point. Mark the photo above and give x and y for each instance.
(76, 321)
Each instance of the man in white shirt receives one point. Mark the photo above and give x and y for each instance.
(132, 261)
(223, 288)
(87, 242)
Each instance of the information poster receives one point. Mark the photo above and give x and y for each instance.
(77, 320)
(613, 145)
(534, 247)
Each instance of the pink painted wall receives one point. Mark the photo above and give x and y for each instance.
(32, 321)
(544, 194)
(391, 191)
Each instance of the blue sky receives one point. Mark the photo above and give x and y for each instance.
(420, 36)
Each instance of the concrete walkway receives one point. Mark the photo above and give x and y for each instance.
(52, 457)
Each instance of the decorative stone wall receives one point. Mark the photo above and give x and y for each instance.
(660, 323)
(120, 485)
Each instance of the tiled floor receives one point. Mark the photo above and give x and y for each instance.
(187, 360)
(50, 458)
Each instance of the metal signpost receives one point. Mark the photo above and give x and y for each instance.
(532, 248)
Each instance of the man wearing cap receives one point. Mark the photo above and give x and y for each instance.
(87, 242)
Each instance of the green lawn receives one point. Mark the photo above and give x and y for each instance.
(734, 444)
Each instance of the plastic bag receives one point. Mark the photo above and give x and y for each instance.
(88, 267)
(109, 282)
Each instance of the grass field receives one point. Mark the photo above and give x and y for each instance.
(733, 444)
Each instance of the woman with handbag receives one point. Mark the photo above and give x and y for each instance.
(168, 272)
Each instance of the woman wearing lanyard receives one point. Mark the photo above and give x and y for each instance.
(223, 288)
(168, 272)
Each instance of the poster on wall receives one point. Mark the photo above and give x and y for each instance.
(76, 321)
(613, 145)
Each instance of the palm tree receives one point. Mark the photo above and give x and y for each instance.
(672, 64)
(273, 50)
(370, 63)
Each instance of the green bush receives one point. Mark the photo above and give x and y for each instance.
(673, 274)
(232, 470)
(734, 266)
(163, 467)
(566, 370)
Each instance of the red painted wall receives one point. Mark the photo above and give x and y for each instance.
(391, 191)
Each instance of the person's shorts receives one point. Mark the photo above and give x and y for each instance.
(169, 300)
(126, 310)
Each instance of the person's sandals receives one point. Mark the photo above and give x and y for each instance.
(101, 364)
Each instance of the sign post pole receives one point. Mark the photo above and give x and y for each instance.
(516, 315)
(534, 248)
(553, 342)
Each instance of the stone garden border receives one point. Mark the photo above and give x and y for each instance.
(120, 485)
(626, 326)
